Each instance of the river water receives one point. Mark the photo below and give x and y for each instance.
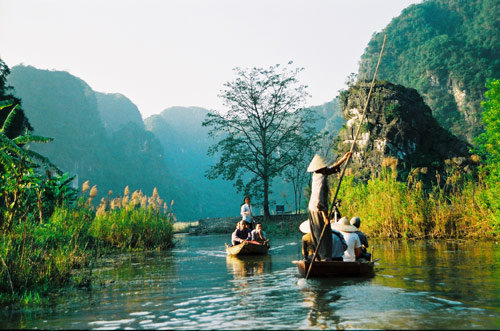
(417, 285)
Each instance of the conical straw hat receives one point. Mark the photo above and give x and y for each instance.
(344, 225)
(305, 227)
(317, 163)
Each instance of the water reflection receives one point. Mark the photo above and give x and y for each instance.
(248, 266)
(417, 285)
(458, 270)
(321, 304)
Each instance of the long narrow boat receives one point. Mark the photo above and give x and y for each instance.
(247, 248)
(335, 268)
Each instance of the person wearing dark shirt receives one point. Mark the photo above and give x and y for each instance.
(241, 234)
(356, 221)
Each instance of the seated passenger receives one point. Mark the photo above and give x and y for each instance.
(353, 243)
(339, 244)
(356, 221)
(258, 235)
(307, 242)
(241, 234)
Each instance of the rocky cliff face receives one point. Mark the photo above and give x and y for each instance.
(446, 50)
(399, 131)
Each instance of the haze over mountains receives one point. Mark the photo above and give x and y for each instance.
(102, 137)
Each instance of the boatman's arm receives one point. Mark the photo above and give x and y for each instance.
(342, 160)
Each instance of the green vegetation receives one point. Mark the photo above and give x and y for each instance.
(392, 209)
(38, 256)
(135, 222)
(489, 148)
(47, 233)
(445, 49)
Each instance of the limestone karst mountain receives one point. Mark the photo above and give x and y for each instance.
(446, 50)
(399, 130)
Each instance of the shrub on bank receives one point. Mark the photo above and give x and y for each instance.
(133, 222)
(36, 257)
(133, 228)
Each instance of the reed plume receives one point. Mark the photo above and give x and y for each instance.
(85, 186)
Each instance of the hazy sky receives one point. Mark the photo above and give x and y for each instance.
(163, 53)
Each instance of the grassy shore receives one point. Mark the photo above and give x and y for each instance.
(40, 257)
(457, 208)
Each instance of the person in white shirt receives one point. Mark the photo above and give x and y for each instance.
(353, 243)
(258, 235)
(246, 212)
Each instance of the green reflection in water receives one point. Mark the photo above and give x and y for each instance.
(466, 271)
(418, 284)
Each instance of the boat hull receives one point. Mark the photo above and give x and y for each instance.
(335, 268)
(247, 248)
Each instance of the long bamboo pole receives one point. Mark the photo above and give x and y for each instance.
(327, 221)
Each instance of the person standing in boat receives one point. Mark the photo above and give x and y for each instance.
(241, 234)
(258, 235)
(353, 243)
(318, 203)
(246, 212)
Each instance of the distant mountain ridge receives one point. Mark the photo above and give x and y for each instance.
(64, 107)
(116, 111)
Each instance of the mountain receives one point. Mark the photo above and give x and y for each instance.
(112, 156)
(400, 131)
(446, 50)
(116, 111)
(329, 121)
(185, 142)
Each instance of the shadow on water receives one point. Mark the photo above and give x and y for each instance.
(323, 297)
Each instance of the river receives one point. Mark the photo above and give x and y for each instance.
(417, 285)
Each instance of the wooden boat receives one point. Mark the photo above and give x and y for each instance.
(335, 268)
(247, 248)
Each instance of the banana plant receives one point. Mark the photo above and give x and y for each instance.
(21, 185)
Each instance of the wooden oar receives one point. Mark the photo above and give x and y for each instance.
(327, 222)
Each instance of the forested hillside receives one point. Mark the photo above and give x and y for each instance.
(446, 50)
(116, 111)
(64, 107)
(186, 142)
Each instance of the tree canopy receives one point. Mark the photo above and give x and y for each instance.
(263, 130)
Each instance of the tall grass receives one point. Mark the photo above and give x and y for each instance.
(392, 209)
(37, 257)
(135, 222)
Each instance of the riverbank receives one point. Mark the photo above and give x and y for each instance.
(277, 224)
(460, 208)
(43, 255)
